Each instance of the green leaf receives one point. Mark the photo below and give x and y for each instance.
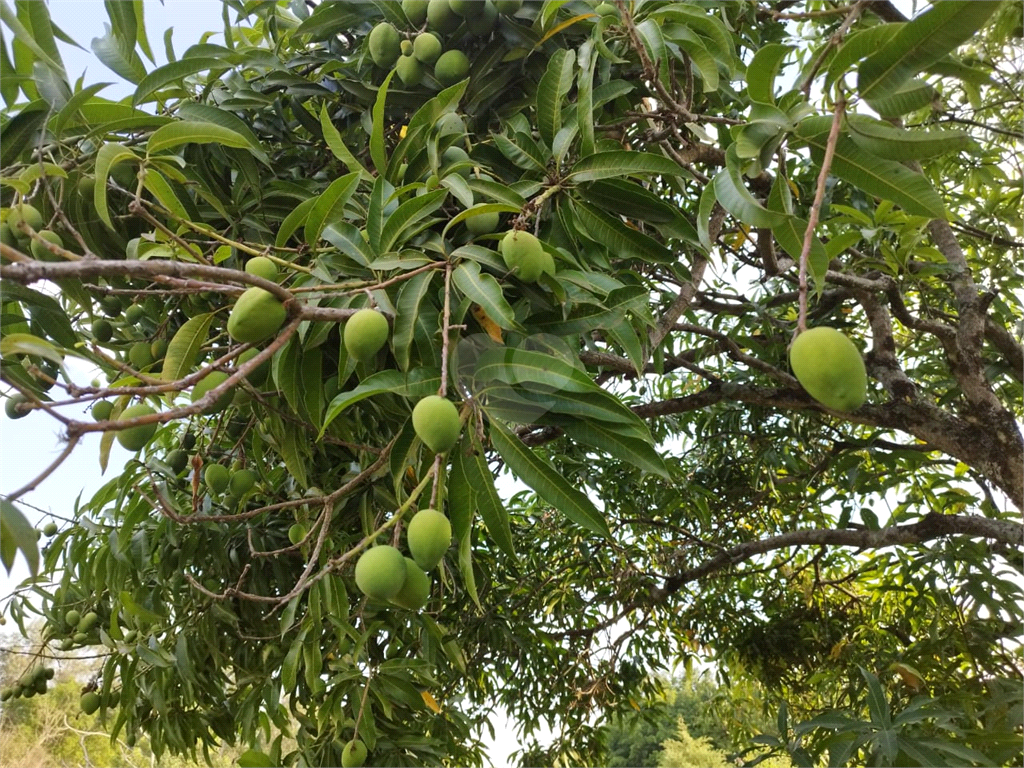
(192, 132)
(312, 383)
(418, 383)
(44, 310)
(878, 705)
(24, 36)
(605, 165)
(407, 214)
(466, 567)
(290, 666)
(377, 151)
(185, 347)
(585, 108)
(16, 533)
(920, 43)
(790, 234)
(329, 206)
(546, 481)
(350, 241)
(108, 156)
(762, 71)
(407, 310)
(175, 72)
(883, 178)
(693, 46)
(885, 141)
(206, 113)
(337, 146)
(29, 344)
(485, 291)
(704, 209)
(636, 452)
(630, 199)
(285, 368)
(164, 193)
(294, 220)
(734, 196)
(552, 91)
(293, 451)
(622, 240)
(492, 511)
(127, 65)
(858, 45)
(911, 96)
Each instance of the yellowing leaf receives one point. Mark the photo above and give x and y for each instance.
(431, 702)
(492, 328)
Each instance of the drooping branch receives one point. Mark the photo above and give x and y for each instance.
(932, 526)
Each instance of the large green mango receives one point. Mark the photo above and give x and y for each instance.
(830, 368)
(257, 315)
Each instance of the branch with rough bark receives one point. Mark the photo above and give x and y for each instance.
(931, 527)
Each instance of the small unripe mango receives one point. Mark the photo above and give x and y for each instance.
(380, 572)
(416, 590)
(210, 381)
(483, 223)
(217, 477)
(437, 424)
(441, 17)
(242, 481)
(451, 67)
(385, 45)
(409, 69)
(429, 536)
(296, 533)
(426, 47)
(139, 355)
(829, 366)
(177, 460)
(508, 7)
(415, 11)
(525, 256)
(102, 330)
(263, 267)
(365, 333)
(101, 410)
(43, 253)
(24, 213)
(89, 702)
(353, 755)
(257, 315)
(135, 438)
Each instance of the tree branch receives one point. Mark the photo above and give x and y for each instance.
(932, 526)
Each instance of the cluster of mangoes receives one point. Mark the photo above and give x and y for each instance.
(77, 629)
(12, 234)
(412, 53)
(384, 573)
(31, 683)
(92, 701)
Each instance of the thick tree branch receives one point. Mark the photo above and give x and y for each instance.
(932, 526)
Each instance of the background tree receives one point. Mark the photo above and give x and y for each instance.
(594, 230)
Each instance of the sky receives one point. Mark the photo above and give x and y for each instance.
(31, 443)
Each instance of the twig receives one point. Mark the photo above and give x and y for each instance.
(812, 220)
(833, 41)
(32, 484)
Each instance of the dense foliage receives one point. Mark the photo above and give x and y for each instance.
(688, 185)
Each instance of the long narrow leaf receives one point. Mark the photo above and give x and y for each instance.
(547, 482)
